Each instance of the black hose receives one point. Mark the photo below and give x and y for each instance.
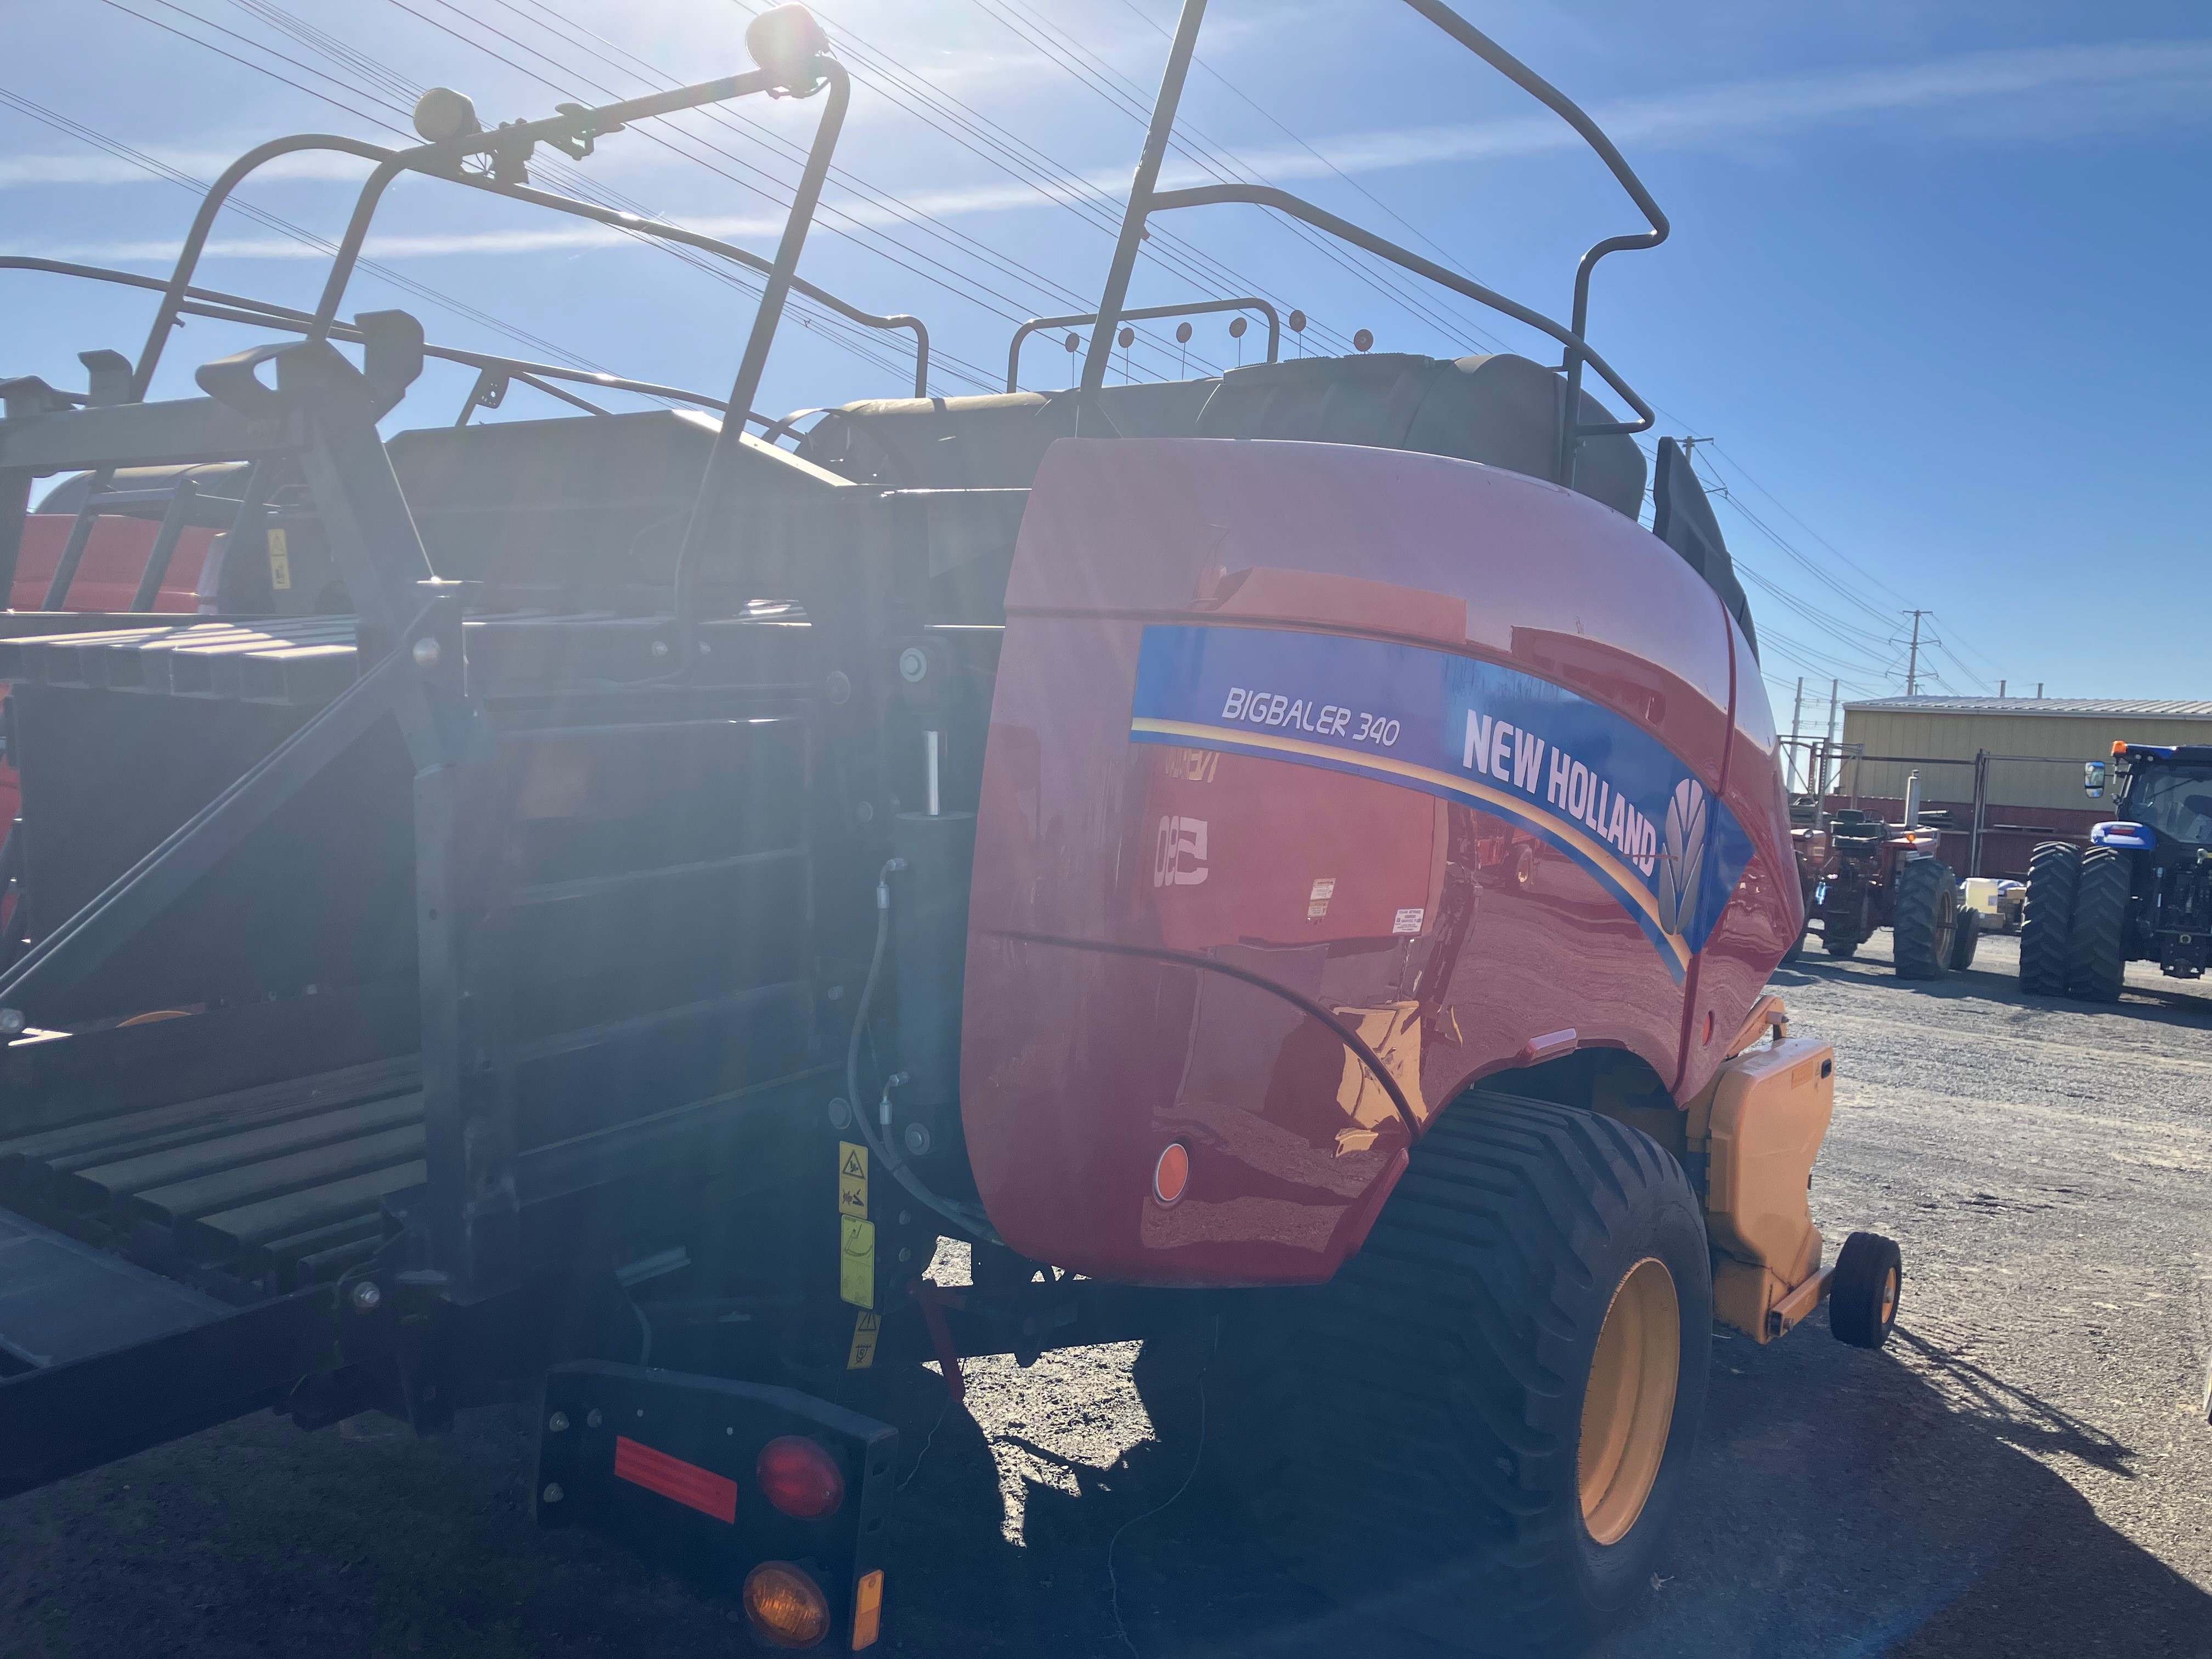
(968, 1219)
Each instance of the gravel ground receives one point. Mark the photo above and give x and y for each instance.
(2025, 1470)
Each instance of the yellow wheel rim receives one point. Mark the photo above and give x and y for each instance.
(1629, 1406)
(1889, 1296)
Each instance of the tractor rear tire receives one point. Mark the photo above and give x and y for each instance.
(1965, 935)
(2096, 963)
(1923, 915)
(1486, 1416)
(2047, 921)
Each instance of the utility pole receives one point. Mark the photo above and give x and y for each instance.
(1912, 665)
(1796, 709)
(1828, 753)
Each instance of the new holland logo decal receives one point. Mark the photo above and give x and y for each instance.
(1591, 782)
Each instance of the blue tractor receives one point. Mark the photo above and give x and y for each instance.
(2141, 891)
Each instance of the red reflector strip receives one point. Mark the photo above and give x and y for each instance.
(671, 1477)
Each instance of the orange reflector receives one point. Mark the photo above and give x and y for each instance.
(800, 1478)
(868, 1610)
(786, 1605)
(1171, 1174)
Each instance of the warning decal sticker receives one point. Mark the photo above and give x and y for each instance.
(852, 1179)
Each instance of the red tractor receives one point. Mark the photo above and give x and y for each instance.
(592, 902)
(1858, 873)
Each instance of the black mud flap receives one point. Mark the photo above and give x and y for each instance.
(680, 1468)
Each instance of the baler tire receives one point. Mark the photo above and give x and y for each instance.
(1409, 1435)
(2047, 917)
(1797, 946)
(1924, 912)
(1843, 948)
(1863, 1295)
(2096, 960)
(1966, 935)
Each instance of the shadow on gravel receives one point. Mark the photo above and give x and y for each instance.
(2153, 1004)
(1908, 1503)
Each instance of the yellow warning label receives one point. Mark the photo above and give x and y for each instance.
(856, 1262)
(865, 1324)
(852, 1179)
(280, 561)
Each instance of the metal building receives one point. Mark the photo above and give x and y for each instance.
(2007, 770)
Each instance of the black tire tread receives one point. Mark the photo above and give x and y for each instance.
(2047, 921)
(1452, 1333)
(1925, 889)
(2096, 965)
(1855, 1292)
(1965, 938)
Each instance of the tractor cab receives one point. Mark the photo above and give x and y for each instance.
(2164, 798)
(2141, 891)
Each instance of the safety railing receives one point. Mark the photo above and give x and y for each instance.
(1201, 308)
(573, 130)
(1146, 199)
(214, 304)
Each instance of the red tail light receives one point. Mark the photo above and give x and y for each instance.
(800, 1478)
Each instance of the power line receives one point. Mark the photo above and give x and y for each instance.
(160, 169)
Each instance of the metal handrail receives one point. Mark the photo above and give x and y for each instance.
(1145, 199)
(443, 160)
(1248, 303)
(220, 306)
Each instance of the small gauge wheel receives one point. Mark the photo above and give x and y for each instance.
(1862, 1296)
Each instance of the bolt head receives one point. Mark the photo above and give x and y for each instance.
(917, 1139)
(592, 1417)
(841, 1113)
(12, 1022)
(839, 686)
(661, 648)
(367, 1295)
(553, 1494)
(427, 652)
(913, 664)
(557, 1424)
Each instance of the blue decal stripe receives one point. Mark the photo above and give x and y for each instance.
(1625, 882)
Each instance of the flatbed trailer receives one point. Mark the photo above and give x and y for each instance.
(586, 905)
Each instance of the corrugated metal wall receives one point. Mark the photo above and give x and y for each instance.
(2069, 737)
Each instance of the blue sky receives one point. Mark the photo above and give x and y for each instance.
(1934, 287)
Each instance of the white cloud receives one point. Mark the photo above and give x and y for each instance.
(91, 167)
(1987, 94)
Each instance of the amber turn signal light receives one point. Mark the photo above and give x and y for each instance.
(800, 1478)
(1172, 1173)
(786, 1606)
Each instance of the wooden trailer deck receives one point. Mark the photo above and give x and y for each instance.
(281, 1185)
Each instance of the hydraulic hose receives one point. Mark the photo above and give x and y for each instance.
(968, 1217)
